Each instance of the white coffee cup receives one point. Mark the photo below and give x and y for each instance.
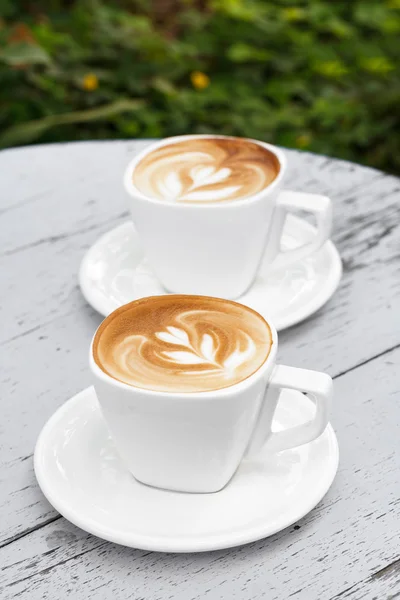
(194, 442)
(216, 249)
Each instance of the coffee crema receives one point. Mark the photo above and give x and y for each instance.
(179, 343)
(206, 170)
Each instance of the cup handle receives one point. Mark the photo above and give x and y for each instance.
(319, 206)
(317, 385)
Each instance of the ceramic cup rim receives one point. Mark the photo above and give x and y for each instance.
(225, 392)
(134, 192)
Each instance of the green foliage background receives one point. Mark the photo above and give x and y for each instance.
(317, 75)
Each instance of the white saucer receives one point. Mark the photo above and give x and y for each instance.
(82, 476)
(114, 272)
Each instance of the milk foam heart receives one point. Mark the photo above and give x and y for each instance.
(182, 343)
(206, 170)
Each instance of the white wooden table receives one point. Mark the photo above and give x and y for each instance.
(55, 202)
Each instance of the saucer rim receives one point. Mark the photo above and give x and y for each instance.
(169, 544)
(98, 301)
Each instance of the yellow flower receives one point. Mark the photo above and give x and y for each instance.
(199, 80)
(378, 64)
(331, 68)
(304, 140)
(90, 82)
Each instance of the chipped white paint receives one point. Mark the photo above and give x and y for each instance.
(54, 204)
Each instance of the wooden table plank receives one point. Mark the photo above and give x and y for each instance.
(336, 549)
(48, 326)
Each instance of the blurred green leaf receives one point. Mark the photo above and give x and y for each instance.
(240, 52)
(27, 132)
(7, 8)
(164, 86)
(21, 53)
(370, 14)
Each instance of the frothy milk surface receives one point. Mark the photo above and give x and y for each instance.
(206, 170)
(179, 343)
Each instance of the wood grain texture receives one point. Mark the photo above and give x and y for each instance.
(55, 202)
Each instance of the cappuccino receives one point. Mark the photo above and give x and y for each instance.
(179, 343)
(206, 170)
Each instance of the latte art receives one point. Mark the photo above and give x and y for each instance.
(204, 170)
(182, 343)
